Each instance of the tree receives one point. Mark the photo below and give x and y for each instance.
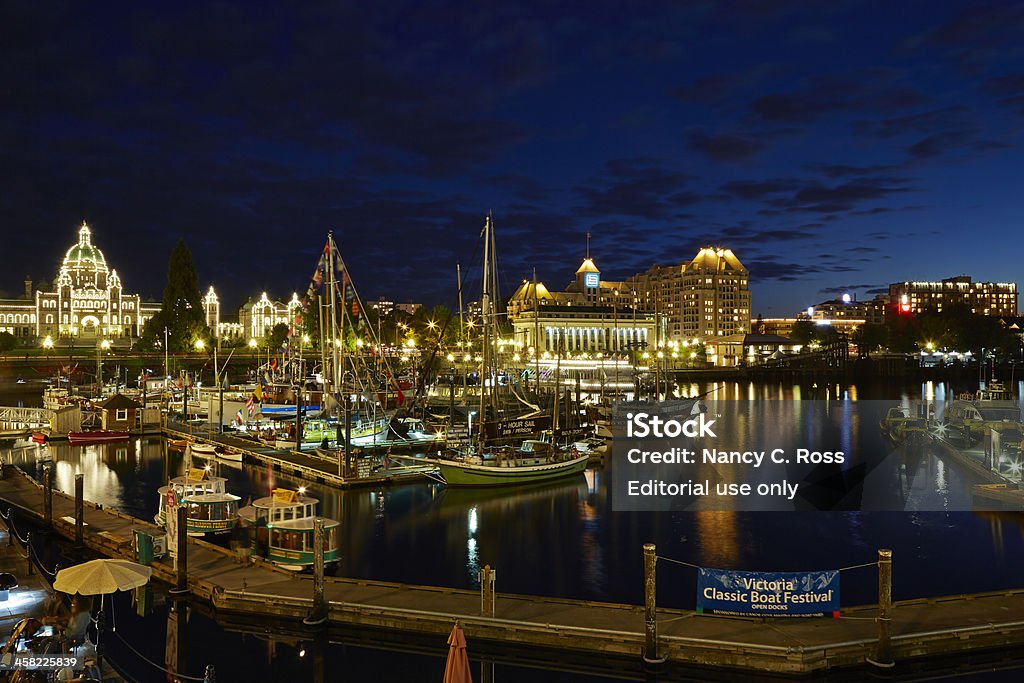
(275, 338)
(7, 341)
(182, 310)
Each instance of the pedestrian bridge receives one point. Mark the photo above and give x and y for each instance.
(24, 418)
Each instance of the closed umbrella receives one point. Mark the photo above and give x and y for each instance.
(100, 577)
(456, 669)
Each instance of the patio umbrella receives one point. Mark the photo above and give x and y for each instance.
(456, 669)
(100, 577)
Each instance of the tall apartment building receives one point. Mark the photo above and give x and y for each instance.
(708, 296)
(985, 298)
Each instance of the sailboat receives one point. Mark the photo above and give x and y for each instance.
(535, 460)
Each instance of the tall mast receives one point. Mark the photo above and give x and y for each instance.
(536, 335)
(462, 317)
(485, 310)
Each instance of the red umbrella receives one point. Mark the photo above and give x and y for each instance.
(456, 669)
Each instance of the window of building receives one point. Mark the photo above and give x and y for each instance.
(122, 414)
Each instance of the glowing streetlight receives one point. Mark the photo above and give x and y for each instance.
(48, 343)
(252, 344)
(450, 357)
(200, 345)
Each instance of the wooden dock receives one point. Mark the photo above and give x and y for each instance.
(920, 628)
(309, 466)
(1009, 496)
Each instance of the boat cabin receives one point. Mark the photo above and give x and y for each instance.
(211, 509)
(284, 529)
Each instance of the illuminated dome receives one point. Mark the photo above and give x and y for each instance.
(84, 254)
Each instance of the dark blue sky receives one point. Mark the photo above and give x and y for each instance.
(832, 146)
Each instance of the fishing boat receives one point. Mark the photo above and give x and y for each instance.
(284, 529)
(97, 436)
(210, 509)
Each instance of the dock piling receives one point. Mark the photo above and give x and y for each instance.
(28, 550)
(650, 606)
(883, 653)
(487, 596)
(79, 508)
(181, 587)
(318, 615)
(48, 495)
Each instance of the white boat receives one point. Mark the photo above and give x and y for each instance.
(210, 509)
(205, 450)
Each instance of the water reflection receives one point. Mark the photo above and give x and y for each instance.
(563, 539)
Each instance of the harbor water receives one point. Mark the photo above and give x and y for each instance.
(560, 539)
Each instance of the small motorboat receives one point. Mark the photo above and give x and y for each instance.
(204, 449)
(40, 437)
(177, 444)
(229, 454)
(97, 436)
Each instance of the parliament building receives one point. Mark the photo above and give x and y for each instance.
(87, 301)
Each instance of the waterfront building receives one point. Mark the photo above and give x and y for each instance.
(784, 326)
(706, 297)
(589, 316)
(87, 301)
(744, 350)
(984, 298)
(847, 307)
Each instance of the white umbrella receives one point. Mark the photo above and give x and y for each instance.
(100, 577)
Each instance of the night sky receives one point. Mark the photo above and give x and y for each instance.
(833, 146)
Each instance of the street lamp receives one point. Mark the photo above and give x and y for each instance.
(103, 347)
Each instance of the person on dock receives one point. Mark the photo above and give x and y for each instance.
(240, 542)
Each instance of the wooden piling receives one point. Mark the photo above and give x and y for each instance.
(181, 585)
(883, 652)
(650, 606)
(318, 614)
(487, 597)
(48, 495)
(79, 508)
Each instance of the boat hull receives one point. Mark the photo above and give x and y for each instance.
(96, 437)
(462, 474)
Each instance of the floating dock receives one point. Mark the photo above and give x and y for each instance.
(261, 591)
(308, 466)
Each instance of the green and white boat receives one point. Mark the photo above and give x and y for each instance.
(535, 461)
(210, 509)
(284, 529)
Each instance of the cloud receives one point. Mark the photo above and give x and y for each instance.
(640, 187)
(724, 148)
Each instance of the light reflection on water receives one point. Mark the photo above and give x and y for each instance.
(562, 539)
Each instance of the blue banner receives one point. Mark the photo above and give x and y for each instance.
(768, 594)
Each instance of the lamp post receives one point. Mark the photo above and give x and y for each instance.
(102, 347)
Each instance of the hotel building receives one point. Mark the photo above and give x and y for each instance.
(984, 298)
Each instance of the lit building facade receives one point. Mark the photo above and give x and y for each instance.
(87, 301)
(983, 298)
(706, 297)
(846, 307)
(257, 318)
(590, 316)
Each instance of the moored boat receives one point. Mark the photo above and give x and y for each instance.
(205, 450)
(534, 461)
(284, 529)
(97, 436)
(210, 508)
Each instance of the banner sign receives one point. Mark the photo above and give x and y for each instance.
(768, 594)
(525, 426)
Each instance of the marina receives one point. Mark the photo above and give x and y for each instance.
(919, 627)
